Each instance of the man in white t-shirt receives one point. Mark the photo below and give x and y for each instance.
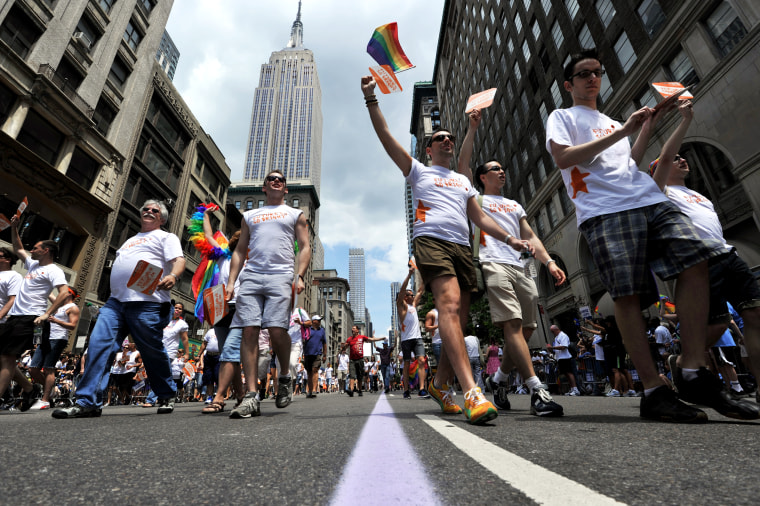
(411, 338)
(631, 229)
(10, 281)
(731, 279)
(561, 349)
(264, 299)
(512, 293)
(431, 325)
(30, 309)
(443, 201)
(175, 332)
(209, 362)
(342, 370)
(142, 315)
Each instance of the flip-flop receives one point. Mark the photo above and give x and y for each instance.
(214, 407)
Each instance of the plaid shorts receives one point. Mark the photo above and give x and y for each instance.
(628, 246)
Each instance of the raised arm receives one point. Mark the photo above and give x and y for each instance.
(395, 150)
(238, 258)
(400, 298)
(672, 145)
(465, 152)
(208, 232)
(17, 246)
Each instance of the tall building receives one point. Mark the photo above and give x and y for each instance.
(394, 332)
(356, 280)
(332, 303)
(286, 120)
(91, 128)
(521, 50)
(167, 55)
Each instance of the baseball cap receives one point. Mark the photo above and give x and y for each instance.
(316, 317)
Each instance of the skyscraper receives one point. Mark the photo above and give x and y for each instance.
(286, 121)
(167, 55)
(394, 332)
(356, 281)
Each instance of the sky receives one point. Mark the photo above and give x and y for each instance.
(223, 44)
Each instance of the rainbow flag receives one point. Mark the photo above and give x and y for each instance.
(207, 273)
(386, 50)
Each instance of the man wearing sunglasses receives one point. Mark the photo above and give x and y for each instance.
(30, 308)
(266, 290)
(141, 315)
(443, 201)
(632, 229)
(731, 278)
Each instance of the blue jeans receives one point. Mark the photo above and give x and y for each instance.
(145, 322)
(386, 369)
(437, 352)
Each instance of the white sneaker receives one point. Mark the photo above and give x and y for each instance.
(631, 393)
(40, 404)
(613, 393)
(574, 392)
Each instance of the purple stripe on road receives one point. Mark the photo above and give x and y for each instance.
(371, 474)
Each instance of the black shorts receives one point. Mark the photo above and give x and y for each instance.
(565, 365)
(17, 335)
(412, 345)
(124, 381)
(312, 363)
(731, 280)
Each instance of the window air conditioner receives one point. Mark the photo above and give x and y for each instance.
(82, 39)
(109, 264)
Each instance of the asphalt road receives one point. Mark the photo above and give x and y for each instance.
(378, 450)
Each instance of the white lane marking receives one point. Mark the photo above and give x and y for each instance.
(383, 451)
(539, 484)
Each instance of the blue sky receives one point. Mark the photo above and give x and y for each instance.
(222, 45)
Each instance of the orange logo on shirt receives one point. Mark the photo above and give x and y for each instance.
(695, 199)
(601, 132)
(577, 181)
(419, 213)
(448, 183)
(496, 207)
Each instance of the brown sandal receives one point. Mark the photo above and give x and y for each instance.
(214, 407)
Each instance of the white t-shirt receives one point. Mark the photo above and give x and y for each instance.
(171, 336)
(328, 372)
(608, 183)
(177, 365)
(598, 349)
(410, 328)
(131, 365)
(271, 248)
(440, 202)
(117, 368)
(472, 344)
(32, 296)
(56, 331)
(156, 247)
(10, 283)
(662, 337)
(701, 211)
(437, 334)
(562, 339)
(294, 329)
(224, 276)
(507, 213)
(343, 362)
(212, 345)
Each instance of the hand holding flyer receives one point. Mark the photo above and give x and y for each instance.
(214, 304)
(145, 278)
(672, 92)
(385, 78)
(21, 207)
(480, 100)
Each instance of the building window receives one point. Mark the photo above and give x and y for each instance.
(646, 98)
(556, 95)
(557, 35)
(624, 51)
(71, 75)
(103, 116)
(90, 31)
(132, 36)
(7, 100)
(547, 5)
(572, 8)
(516, 72)
(518, 24)
(237, 204)
(296, 203)
(82, 169)
(19, 31)
(585, 39)
(605, 87)
(726, 28)
(106, 5)
(148, 5)
(565, 202)
(261, 204)
(40, 137)
(606, 11)
(541, 169)
(249, 205)
(158, 161)
(551, 212)
(119, 73)
(160, 116)
(526, 50)
(682, 70)
(651, 16)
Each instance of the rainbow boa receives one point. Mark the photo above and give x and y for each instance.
(207, 273)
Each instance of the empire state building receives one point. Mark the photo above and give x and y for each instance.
(286, 121)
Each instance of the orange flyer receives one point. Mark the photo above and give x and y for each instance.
(189, 370)
(4, 222)
(674, 88)
(214, 306)
(385, 78)
(145, 277)
(21, 207)
(480, 100)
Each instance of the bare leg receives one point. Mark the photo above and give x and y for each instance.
(692, 307)
(249, 356)
(631, 325)
(751, 319)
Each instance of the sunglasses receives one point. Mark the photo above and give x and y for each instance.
(442, 137)
(678, 158)
(495, 168)
(585, 74)
(3, 256)
(151, 210)
(272, 179)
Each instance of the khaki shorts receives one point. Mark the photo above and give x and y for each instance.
(436, 258)
(511, 294)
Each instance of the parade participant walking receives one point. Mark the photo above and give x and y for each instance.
(10, 281)
(385, 365)
(314, 354)
(139, 314)
(561, 349)
(175, 332)
(443, 201)
(411, 339)
(266, 281)
(731, 279)
(343, 360)
(355, 345)
(630, 228)
(208, 356)
(30, 309)
(512, 294)
(53, 341)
